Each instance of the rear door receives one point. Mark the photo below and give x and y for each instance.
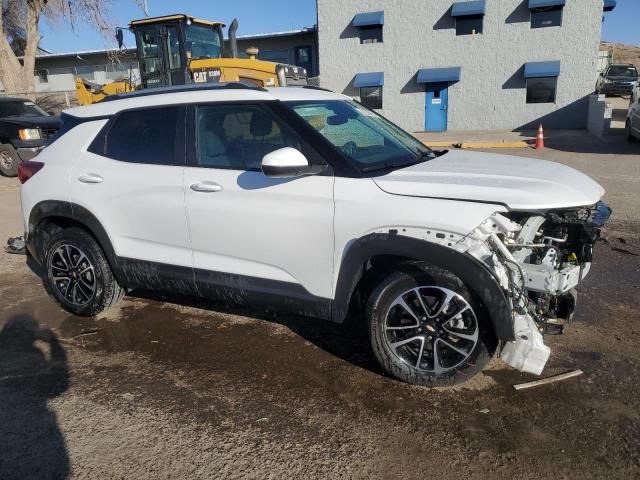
(254, 237)
(131, 179)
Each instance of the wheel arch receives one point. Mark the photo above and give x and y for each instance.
(393, 248)
(47, 217)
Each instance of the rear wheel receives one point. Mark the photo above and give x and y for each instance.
(9, 161)
(628, 133)
(427, 329)
(78, 274)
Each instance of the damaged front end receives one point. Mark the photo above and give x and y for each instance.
(538, 258)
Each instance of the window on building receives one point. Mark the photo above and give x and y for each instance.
(371, 97)
(546, 17)
(469, 25)
(304, 59)
(116, 71)
(237, 137)
(144, 136)
(43, 76)
(541, 90)
(276, 56)
(372, 34)
(85, 71)
(370, 26)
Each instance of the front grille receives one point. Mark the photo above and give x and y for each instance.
(48, 132)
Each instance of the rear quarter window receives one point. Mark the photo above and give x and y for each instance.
(144, 136)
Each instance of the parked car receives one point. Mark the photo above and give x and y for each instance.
(632, 125)
(24, 129)
(301, 200)
(617, 79)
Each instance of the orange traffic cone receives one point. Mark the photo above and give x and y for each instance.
(540, 138)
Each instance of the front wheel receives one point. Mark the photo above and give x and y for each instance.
(9, 161)
(427, 329)
(78, 274)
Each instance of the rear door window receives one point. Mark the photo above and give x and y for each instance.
(145, 136)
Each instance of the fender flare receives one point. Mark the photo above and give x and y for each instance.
(476, 275)
(58, 208)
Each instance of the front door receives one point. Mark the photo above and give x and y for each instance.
(255, 237)
(437, 106)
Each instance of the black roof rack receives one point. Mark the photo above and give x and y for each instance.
(183, 88)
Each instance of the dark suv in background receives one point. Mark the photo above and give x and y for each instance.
(617, 79)
(24, 129)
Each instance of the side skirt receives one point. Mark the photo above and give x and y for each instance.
(229, 289)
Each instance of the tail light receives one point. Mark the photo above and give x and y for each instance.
(26, 170)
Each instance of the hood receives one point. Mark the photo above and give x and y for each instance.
(28, 121)
(621, 79)
(517, 182)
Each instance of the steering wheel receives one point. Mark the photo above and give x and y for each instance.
(350, 148)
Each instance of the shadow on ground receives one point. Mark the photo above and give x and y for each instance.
(33, 370)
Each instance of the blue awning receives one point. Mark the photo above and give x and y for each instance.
(372, 79)
(609, 5)
(546, 3)
(368, 19)
(435, 75)
(542, 69)
(461, 9)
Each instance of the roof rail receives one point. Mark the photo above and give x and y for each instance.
(313, 87)
(182, 88)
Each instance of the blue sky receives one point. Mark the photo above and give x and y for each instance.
(258, 16)
(254, 16)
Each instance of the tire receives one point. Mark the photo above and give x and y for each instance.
(459, 358)
(9, 161)
(628, 133)
(78, 275)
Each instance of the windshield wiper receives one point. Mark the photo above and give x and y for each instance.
(424, 156)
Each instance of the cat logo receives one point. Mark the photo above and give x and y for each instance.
(207, 75)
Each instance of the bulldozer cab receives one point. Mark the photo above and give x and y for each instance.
(167, 45)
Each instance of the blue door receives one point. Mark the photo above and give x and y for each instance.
(437, 106)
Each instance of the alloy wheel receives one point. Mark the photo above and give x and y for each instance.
(431, 328)
(72, 274)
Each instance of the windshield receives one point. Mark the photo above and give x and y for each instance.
(203, 41)
(21, 109)
(369, 140)
(623, 71)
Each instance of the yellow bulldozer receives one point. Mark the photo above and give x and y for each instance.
(180, 49)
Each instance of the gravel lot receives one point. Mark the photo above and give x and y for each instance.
(177, 389)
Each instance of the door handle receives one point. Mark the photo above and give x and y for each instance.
(206, 187)
(90, 178)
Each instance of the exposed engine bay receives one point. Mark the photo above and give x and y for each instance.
(538, 258)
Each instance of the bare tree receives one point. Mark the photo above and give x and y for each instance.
(20, 34)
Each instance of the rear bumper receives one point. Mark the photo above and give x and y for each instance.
(27, 154)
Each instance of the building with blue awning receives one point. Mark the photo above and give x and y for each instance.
(464, 64)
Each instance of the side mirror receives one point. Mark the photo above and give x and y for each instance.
(119, 38)
(285, 162)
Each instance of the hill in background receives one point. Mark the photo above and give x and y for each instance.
(623, 53)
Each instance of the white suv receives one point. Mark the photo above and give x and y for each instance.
(304, 201)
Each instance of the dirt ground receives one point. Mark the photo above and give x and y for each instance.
(166, 390)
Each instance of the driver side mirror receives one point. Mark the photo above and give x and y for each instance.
(287, 162)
